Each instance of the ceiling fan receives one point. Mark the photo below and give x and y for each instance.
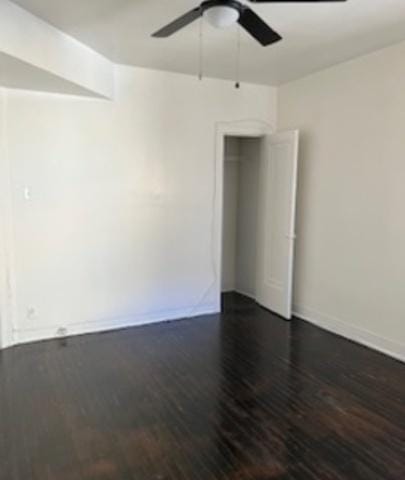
(223, 13)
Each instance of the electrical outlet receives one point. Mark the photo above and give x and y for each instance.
(62, 332)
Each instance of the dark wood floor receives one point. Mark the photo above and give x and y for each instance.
(241, 396)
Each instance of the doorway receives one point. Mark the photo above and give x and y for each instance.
(240, 214)
(257, 179)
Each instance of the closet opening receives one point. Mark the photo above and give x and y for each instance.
(240, 214)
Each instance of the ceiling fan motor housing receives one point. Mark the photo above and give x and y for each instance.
(221, 13)
(223, 3)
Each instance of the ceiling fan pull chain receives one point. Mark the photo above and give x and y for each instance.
(238, 56)
(201, 50)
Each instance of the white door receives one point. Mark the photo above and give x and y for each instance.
(277, 222)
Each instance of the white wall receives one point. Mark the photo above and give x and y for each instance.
(350, 267)
(3, 251)
(7, 280)
(117, 229)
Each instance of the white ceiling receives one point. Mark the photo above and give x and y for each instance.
(316, 35)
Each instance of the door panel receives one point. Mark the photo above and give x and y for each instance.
(277, 222)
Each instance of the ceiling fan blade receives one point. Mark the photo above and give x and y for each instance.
(179, 23)
(259, 29)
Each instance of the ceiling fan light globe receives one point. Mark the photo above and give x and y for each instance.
(222, 16)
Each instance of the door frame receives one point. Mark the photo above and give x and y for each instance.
(244, 128)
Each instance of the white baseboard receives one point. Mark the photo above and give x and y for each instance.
(351, 332)
(227, 289)
(239, 290)
(46, 333)
(245, 294)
